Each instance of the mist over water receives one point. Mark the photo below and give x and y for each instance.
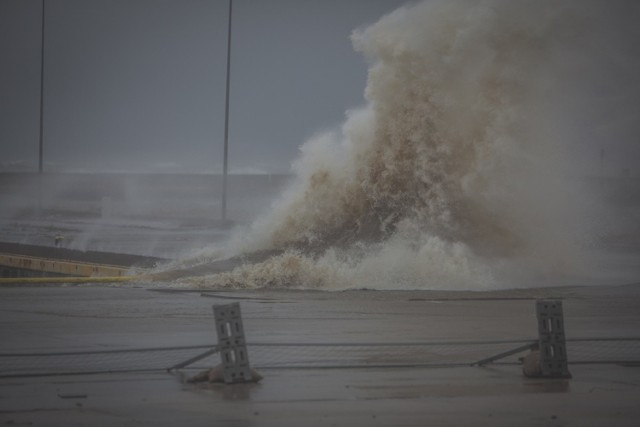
(463, 169)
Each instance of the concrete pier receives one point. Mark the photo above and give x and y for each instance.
(95, 318)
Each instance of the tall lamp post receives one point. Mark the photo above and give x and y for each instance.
(226, 121)
(41, 140)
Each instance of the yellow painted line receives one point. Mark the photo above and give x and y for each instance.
(41, 280)
(65, 267)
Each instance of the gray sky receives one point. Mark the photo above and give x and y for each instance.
(138, 85)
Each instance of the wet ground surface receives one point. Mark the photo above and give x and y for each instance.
(598, 396)
(83, 318)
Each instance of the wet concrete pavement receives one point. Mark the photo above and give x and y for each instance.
(81, 318)
(598, 395)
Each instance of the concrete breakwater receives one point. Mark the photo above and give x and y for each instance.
(18, 260)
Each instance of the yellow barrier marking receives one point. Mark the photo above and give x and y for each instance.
(61, 266)
(40, 280)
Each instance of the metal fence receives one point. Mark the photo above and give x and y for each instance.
(326, 355)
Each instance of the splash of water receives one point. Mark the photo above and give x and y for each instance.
(455, 175)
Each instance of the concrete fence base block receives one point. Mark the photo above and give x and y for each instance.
(216, 375)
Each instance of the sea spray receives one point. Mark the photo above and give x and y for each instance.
(457, 172)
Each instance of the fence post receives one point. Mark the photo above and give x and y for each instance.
(551, 339)
(231, 343)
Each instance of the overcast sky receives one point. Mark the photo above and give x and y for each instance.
(138, 85)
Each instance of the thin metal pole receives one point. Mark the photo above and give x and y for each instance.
(194, 359)
(505, 354)
(41, 150)
(226, 120)
(41, 140)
